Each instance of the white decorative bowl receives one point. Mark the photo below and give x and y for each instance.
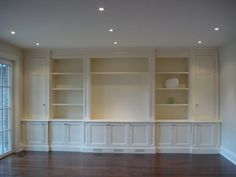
(172, 83)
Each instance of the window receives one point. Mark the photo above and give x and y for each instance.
(5, 108)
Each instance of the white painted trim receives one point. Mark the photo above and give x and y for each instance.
(205, 150)
(103, 52)
(228, 154)
(35, 147)
(133, 150)
(6, 154)
(7, 56)
(66, 148)
(173, 150)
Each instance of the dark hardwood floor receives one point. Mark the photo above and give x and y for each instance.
(66, 164)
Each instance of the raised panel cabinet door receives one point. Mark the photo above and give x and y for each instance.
(164, 134)
(204, 87)
(97, 134)
(182, 135)
(36, 133)
(74, 136)
(58, 133)
(118, 134)
(206, 135)
(140, 134)
(36, 82)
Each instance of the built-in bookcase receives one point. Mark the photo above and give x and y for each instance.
(119, 88)
(67, 89)
(172, 103)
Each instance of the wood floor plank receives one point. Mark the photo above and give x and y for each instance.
(71, 164)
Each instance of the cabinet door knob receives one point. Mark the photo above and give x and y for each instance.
(196, 105)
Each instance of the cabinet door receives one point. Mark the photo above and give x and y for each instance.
(181, 135)
(36, 133)
(204, 87)
(164, 134)
(140, 134)
(36, 84)
(97, 134)
(206, 135)
(58, 133)
(118, 134)
(74, 133)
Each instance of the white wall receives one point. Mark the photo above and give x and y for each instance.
(228, 99)
(14, 54)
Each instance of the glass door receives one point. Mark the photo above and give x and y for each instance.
(5, 108)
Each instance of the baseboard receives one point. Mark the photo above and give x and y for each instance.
(66, 148)
(228, 154)
(180, 150)
(35, 147)
(144, 150)
(18, 150)
(205, 150)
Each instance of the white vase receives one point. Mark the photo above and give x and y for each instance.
(172, 83)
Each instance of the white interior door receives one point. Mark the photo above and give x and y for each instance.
(5, 108)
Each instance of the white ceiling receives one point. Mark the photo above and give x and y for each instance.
(137, 23)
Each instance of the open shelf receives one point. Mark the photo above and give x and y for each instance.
(67, 89)
(172, 103)
(172, 112)
(67, 112)
(67, 66)
(119, 65)
(172, 65)
(119, 89)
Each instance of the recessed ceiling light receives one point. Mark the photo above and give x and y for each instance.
(37, 43)
(115, 42)
(101, 9)
(13, 32)
(216, 28)
(111, 30)
(199, 42)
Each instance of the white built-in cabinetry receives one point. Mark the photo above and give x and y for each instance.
(119, 103)
(204, 86)
(172, 137)
(172, 103)
(120, 137)
(34, 135)
(65, 135)
(36, 87)
(67, 89)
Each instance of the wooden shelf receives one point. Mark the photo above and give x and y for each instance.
(172, 104)
(79, 89)
(66, 104)
(184, 89)
(172, 72)
(101, 73)
(66, 118)
(65, 73)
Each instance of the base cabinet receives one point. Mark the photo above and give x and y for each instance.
(173, 137)
(35, 135)
(113, 137)
(205, 137)
(119, 137)
(66, 136)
